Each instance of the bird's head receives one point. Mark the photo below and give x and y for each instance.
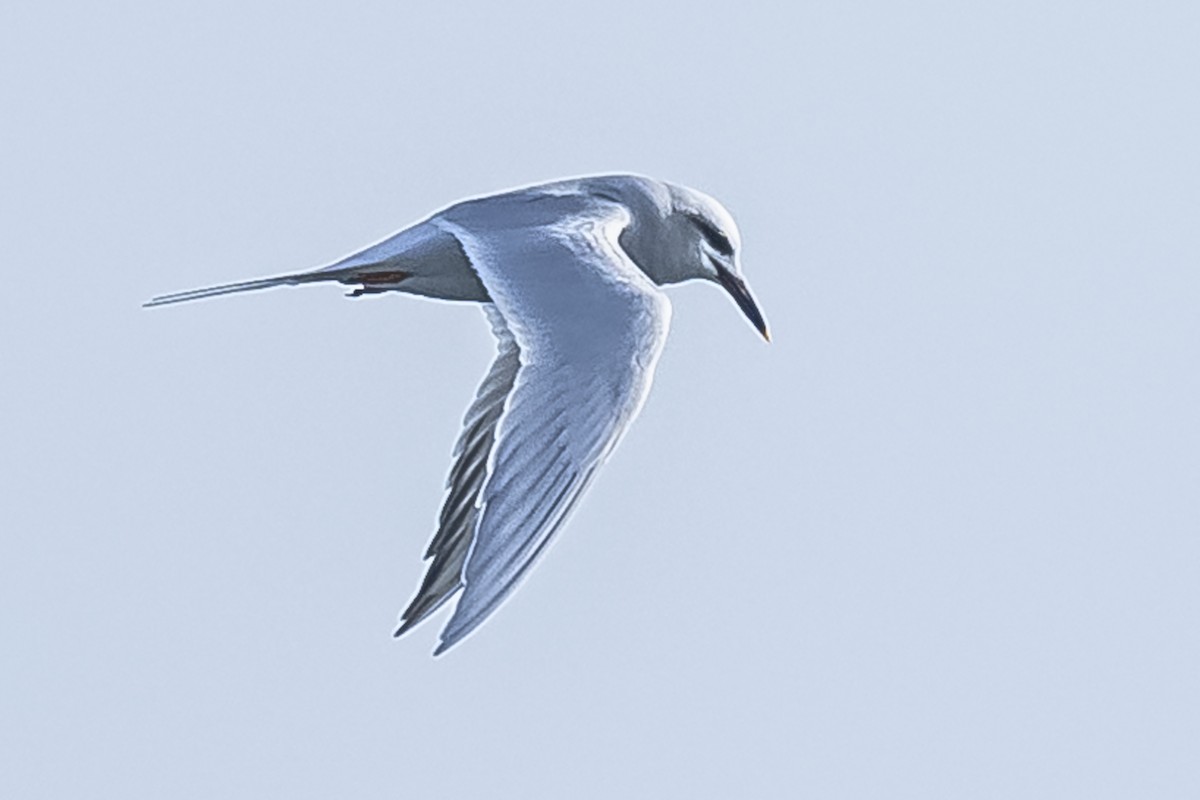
(678, 234)
(707, 245)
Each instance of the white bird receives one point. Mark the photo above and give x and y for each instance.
(568, 275)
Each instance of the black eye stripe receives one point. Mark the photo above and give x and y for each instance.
(717, 240)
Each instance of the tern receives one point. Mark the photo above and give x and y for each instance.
(568, 275)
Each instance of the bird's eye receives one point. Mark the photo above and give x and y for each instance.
(716, 240)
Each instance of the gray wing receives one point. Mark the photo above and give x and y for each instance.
(588, 327)
(460, 511)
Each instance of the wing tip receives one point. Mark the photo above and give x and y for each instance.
(444, 642)
(408, 620)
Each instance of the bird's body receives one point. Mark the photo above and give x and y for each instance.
(568, 273)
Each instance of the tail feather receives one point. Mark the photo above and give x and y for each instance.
(241, 286)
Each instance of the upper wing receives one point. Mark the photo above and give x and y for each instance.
(588, 326)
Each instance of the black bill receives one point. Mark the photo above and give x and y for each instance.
(741, 295)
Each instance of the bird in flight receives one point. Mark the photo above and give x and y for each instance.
(568, 274)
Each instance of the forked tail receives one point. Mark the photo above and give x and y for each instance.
(372, 281)
(226, 288)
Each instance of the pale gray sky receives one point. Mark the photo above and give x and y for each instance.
(939, 540)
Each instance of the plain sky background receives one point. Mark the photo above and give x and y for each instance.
(938, 540)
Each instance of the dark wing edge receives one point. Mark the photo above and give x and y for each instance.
(451, 543)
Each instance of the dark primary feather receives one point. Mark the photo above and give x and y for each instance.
(460, 511)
